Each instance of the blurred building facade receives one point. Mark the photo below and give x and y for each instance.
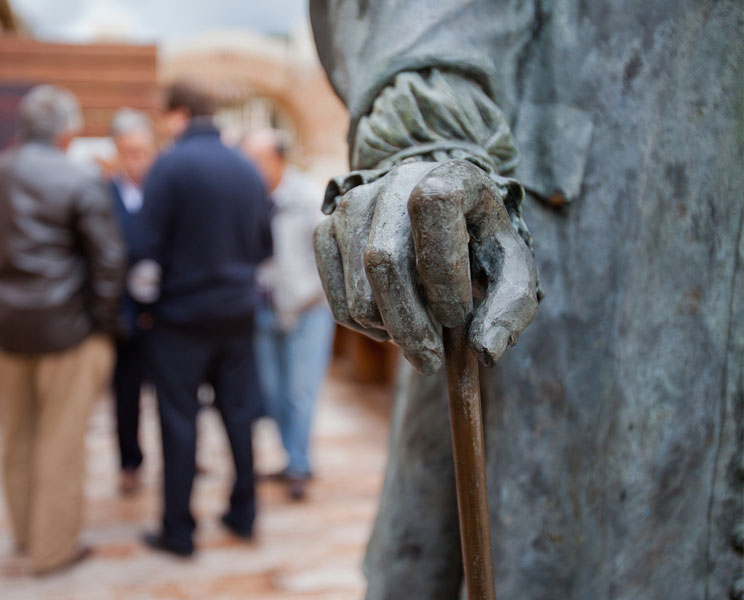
(9, 23)
(267, 81)
(104, 77)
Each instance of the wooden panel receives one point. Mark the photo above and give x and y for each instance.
(104, 77)
(366, 360)
(99, 71)
(10, 95)
(27, 46)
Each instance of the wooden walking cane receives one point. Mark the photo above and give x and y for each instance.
(470, 463)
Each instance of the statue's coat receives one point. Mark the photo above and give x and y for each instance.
(615, 428)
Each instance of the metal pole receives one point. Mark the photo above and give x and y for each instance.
(470, 463)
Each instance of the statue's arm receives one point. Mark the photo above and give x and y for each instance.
(427, 86)
(364, 44)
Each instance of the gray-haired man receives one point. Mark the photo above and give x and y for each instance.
(61, 272)
(133, 134)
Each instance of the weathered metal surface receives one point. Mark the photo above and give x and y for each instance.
(615, 428)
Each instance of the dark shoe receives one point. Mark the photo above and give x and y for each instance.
(129, 482)
(283, 476)
(296, 488)
(83, 553)
(276, 476)
(243, 534)
(157, 541)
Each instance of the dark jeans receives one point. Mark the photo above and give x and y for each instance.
(128, 379)
(179, 361)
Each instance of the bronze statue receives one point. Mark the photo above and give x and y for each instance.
(614, 429)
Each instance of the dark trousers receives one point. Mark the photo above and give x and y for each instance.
(179, 362)
(128, 379)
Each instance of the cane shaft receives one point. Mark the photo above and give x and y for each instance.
(470, 464)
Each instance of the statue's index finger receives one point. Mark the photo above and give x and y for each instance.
(436, 209)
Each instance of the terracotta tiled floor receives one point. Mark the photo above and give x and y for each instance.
(302, 550)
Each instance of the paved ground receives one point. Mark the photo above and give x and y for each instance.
(302, 550)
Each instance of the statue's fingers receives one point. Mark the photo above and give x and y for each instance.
(501, 257)
(352, 221)
(461, 226)
(391, 270)
(330, 269)
(437, 212)
(510, 303)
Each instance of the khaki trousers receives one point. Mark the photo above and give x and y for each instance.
(47, 401)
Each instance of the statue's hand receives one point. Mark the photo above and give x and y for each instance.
(408, 251)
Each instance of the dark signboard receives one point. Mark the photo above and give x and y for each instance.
(10, 95)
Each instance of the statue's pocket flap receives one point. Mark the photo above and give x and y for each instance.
(553, 140)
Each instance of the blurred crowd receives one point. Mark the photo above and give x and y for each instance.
(187, 267)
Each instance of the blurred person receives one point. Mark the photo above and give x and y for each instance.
(177, 117)
(133, 135)
(62, 264)
(294, 326)
(202, 233)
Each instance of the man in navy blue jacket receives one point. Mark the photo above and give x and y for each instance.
(134, 137)
(203, 230)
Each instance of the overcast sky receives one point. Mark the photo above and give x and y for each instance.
(156, 20)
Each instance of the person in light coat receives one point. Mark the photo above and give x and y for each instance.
(294, 327)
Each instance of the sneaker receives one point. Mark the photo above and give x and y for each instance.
(296, 488)
(283, 476)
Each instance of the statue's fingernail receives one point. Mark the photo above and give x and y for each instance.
(490, 343)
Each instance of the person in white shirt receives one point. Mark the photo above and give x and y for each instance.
(294, 329)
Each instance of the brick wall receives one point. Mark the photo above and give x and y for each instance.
(104, 77)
